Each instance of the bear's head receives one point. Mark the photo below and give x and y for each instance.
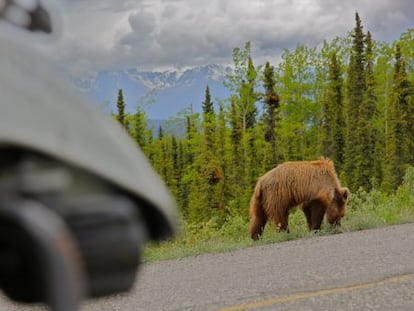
(338, 207)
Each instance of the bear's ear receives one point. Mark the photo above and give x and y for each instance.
(341, 195)
(345, 193)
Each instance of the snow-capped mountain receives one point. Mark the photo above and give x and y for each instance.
(161, 94)
(174, 78)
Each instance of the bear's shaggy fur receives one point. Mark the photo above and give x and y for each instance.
(311, 184)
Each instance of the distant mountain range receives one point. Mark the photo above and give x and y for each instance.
(161, 94)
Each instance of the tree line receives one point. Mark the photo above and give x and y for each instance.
(351, 100)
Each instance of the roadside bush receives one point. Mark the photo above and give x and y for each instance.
(375, 208)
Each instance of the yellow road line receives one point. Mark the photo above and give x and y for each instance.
(325, 292)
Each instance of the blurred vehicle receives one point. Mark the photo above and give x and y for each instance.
(78, 199)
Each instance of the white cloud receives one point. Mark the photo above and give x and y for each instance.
(166, 33)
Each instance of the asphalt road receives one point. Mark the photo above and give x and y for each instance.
(365, 270)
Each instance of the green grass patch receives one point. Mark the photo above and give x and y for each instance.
(365, 210)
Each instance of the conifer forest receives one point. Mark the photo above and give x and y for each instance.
(350, 99)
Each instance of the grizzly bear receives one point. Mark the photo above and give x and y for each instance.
(311, 184)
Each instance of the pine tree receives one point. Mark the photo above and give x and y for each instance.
(139, 127)
(149, 148)
(271, 114)
(160, 133)
(236, 133)
(356, 90)
(249, 96)
(190, 133)
(399, 135)
(208, 120)
(176, 173)
(211, 172)
(207, 105)
(333, 115)
(365, 149)
(222, 150)
(253, 166)
(198, 210)
(237, 174)
(222, 137)
(162, 155)
(121, 108)
(182, 184)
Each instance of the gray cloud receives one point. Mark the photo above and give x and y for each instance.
(167, 33)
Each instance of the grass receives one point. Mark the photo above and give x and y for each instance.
(365, 210)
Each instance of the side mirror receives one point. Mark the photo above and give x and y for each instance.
(57, 245)
(39, 259)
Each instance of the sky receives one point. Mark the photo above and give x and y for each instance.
(164, 34)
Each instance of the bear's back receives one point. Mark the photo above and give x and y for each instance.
(304, 172)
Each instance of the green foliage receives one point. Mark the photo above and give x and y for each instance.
(243, 82)
(299, 112)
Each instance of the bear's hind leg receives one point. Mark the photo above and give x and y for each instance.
(258, 224)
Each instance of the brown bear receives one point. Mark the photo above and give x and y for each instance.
(311, 184)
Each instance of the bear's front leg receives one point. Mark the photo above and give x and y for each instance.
(282, 223)
(314, 212)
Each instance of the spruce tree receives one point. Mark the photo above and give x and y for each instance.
(333, 122)
(162, 155)
(356, 89)
(149, 148)
(249, 95)
(176, 167)
(399, 131)
(222, 150)
(182, 183)
(160, 133)
(236, 133)
(188, 175)
(190, 133)
(121, 108)
(222, 137)
(366, 147)
(211, 172)
(139, 127)
(198, 210)
(207, 105)
(271, 114)
(237, 174)
(208, 120)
